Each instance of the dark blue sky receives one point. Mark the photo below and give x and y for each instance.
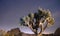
(12, 10)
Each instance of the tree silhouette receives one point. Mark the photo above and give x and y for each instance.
(37, 20)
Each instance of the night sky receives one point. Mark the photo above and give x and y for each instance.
(12, 10)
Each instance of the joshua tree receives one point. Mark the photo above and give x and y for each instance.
(37, 20)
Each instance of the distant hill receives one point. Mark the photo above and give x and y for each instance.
(17, 32)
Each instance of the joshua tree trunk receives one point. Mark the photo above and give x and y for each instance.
(42, 29)
(36, 33)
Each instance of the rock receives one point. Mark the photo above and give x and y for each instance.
(2, 32)
(14, 32)
(57, 32)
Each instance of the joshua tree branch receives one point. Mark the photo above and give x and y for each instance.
(42, 28)
(30, 26)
